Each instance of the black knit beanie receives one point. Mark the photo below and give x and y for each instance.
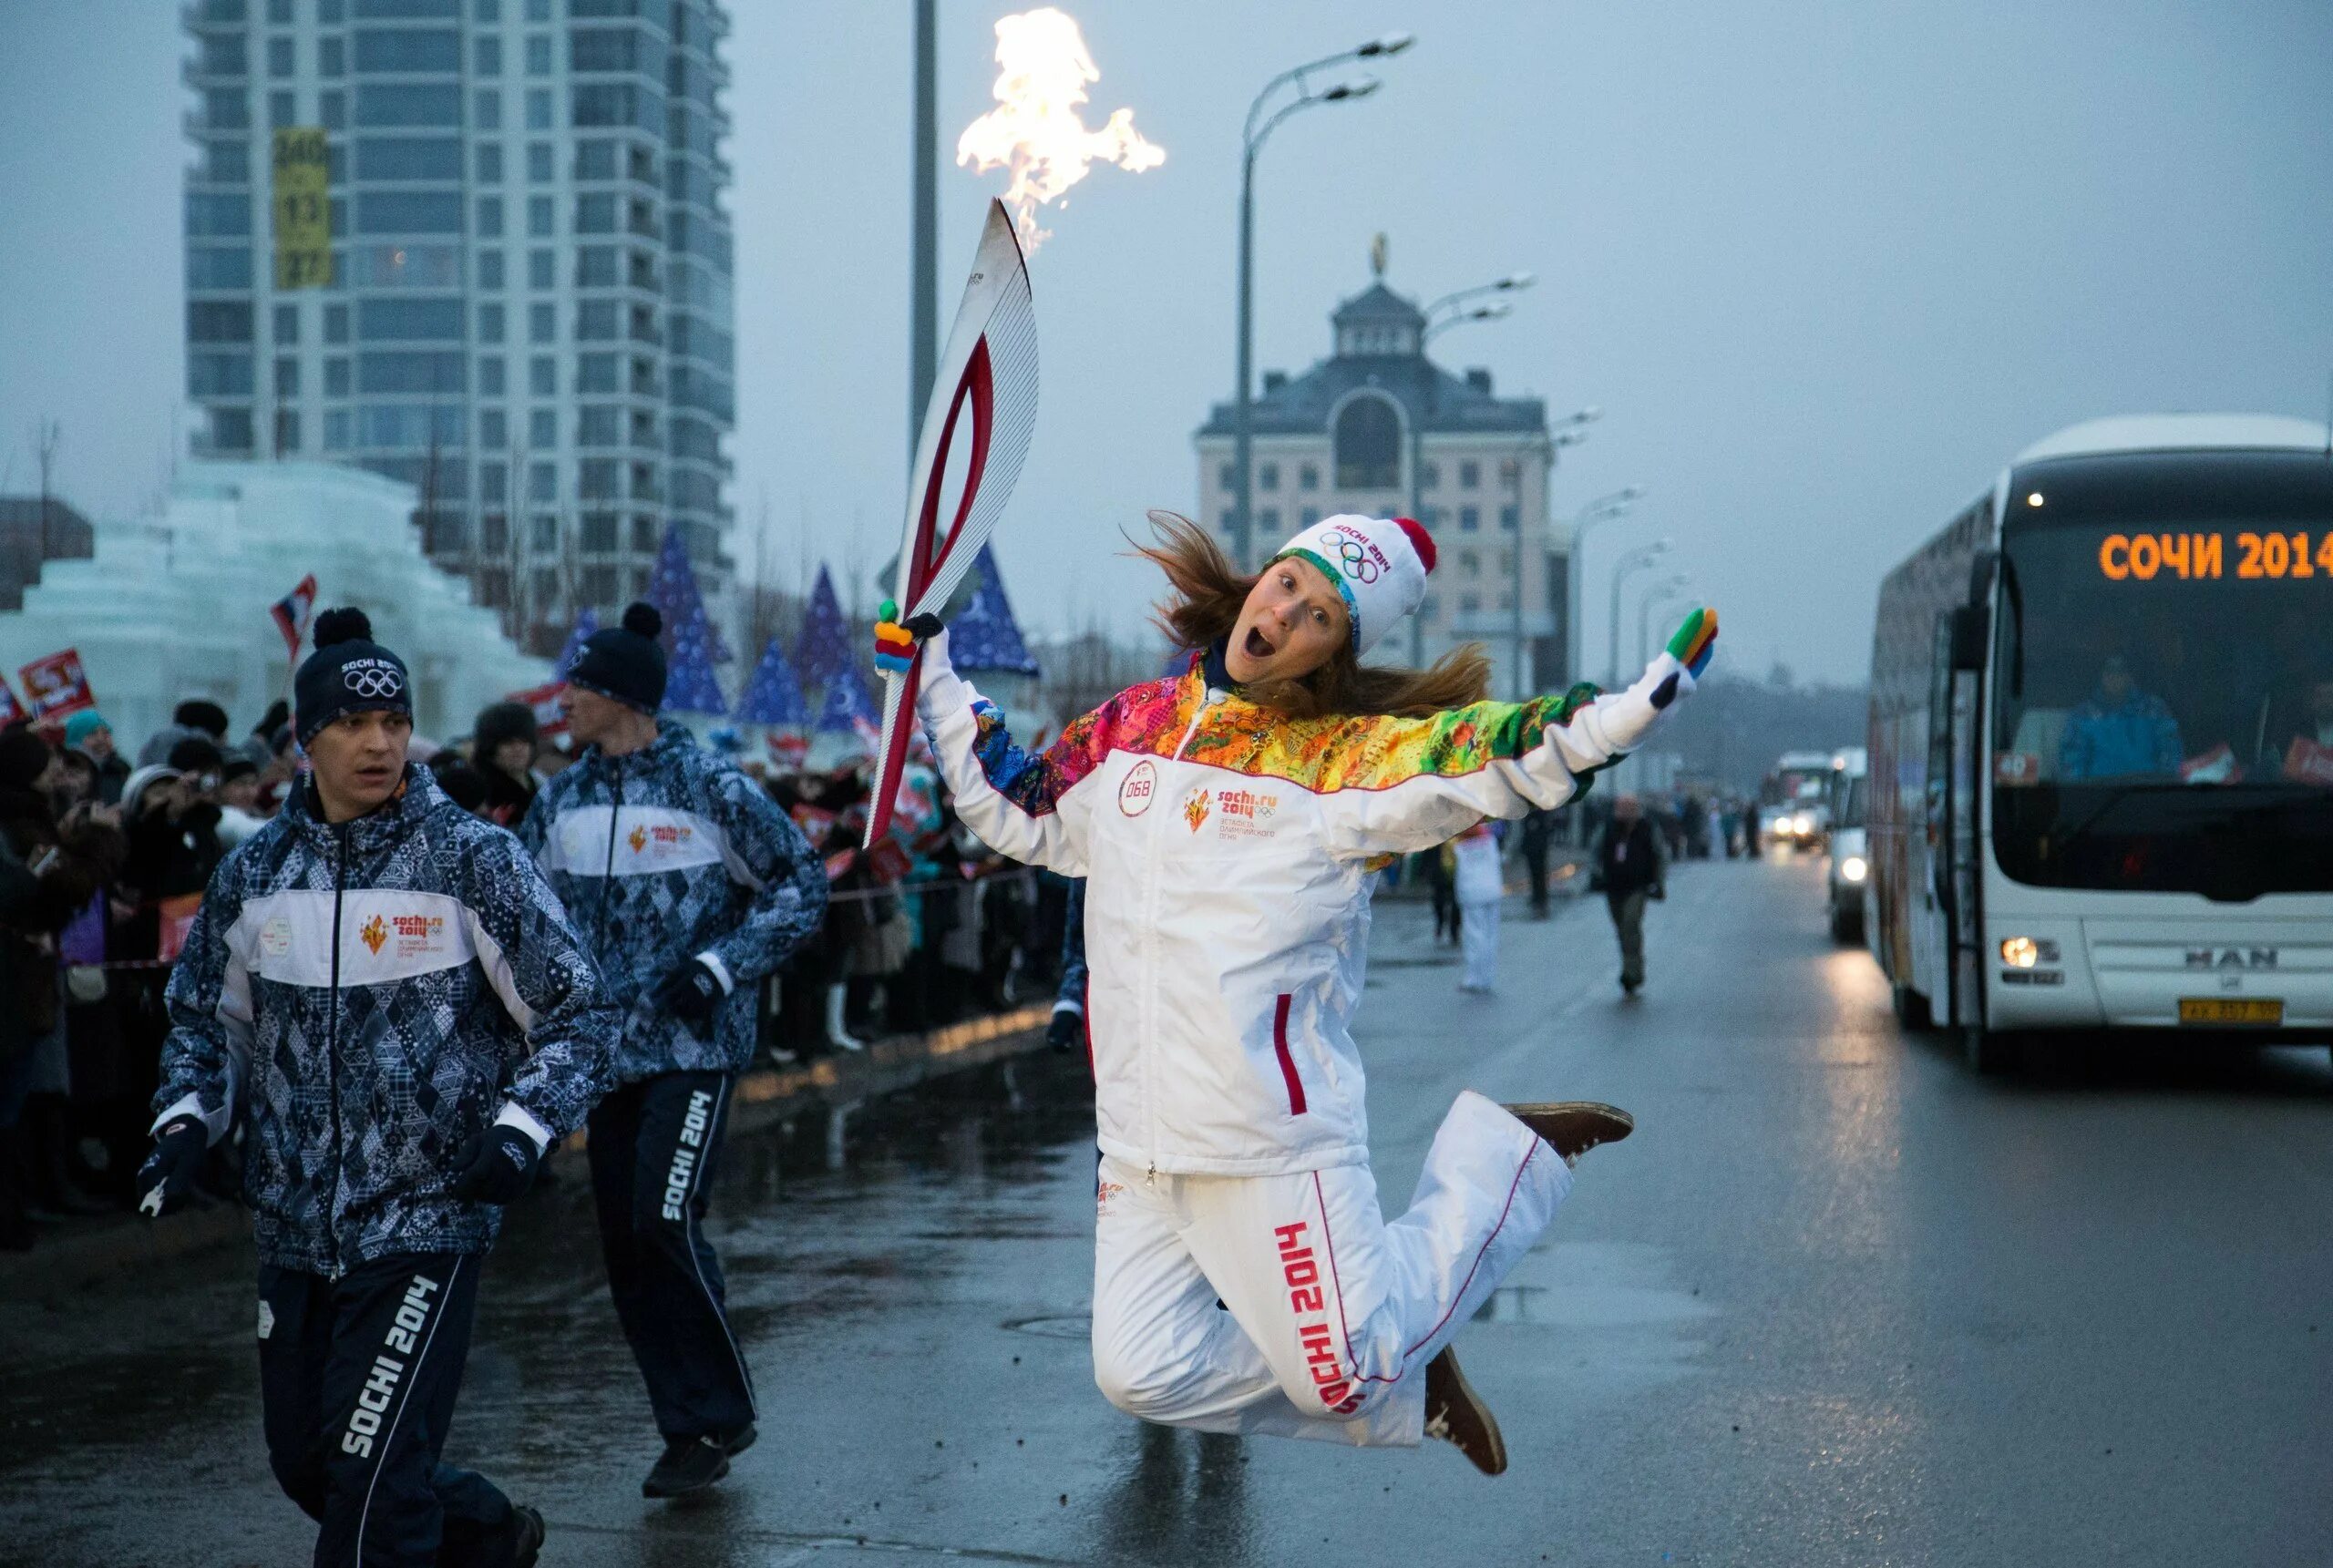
(625, 663)
(348, 673)
(500, 721)
(23, 756)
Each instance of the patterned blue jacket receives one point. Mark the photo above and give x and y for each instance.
(667, 854)
(367, 995)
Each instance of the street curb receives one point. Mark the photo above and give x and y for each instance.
(96, 1248)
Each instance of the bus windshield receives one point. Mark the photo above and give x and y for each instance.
(2163, 680)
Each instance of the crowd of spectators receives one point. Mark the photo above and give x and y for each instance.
(103, 864)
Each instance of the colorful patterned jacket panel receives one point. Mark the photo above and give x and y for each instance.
(668, 853)
(1227, 909)
(367, 995)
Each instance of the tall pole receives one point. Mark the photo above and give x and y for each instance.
(1417, 510)
(1659, 593)
(1522, 665)
(1242, 437)
(1251, 139)
(923, 347)
(1642, 555)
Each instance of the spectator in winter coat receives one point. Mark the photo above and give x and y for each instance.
(188, 720)
(503, 749)
(1480, 887)
(87, 732)
(50, 869)
(1631, 866)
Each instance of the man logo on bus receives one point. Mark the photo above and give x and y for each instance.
(2231, 959)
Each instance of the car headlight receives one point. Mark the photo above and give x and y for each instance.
(2024, 952)
(1801, 824)
(1853, 868)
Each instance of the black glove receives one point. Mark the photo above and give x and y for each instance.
(1065, 1031)
(496, 1166)
(692, 992)
(166, 1180)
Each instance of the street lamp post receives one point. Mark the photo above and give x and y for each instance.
(1642, 555)
(1483, 312)
(1251, 142)
(1603, 509)
(1658, 593)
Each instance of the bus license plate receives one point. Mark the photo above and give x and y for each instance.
(2231, 1010)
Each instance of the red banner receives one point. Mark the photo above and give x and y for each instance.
(2217, 765)
(57, 685)
(176, 919)
(550, 709)
(2308, 762)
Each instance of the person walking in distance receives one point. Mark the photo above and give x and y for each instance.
(1480, 885)
(1631, 868)
(691, 885)
(1228, 820)
(385, 992)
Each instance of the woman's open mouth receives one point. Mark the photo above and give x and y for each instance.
(1256, 647)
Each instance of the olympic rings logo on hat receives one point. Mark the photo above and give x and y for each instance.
(1353, 556)
(373, 681)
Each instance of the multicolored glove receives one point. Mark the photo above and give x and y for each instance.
(1625, 718)
(1695, 641)
(895, 643)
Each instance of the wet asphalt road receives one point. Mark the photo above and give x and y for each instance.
(1837, 1302)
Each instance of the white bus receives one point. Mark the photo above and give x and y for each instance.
(2101, 742)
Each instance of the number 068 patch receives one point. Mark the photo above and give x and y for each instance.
(1140, 785)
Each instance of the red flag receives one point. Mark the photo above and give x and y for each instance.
(57, 685)
(550, 709)
(292, 612)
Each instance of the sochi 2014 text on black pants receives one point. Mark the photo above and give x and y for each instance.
(358, 1376)
(652, 1143)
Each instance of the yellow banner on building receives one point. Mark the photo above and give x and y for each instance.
(303, 209)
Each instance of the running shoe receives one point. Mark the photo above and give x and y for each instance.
(1575, 1126)
(1456, 1414)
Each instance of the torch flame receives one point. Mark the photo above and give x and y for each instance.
(1037, 130)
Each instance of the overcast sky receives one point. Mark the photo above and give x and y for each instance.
(1824, 266)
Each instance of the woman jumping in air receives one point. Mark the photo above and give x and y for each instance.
(1229, 819)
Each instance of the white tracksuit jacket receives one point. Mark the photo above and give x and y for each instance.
(1229, 850)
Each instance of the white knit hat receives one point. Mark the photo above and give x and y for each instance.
(1378, 563)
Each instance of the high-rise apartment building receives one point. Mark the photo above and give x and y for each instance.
(525, 310)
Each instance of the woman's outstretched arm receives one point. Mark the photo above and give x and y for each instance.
(1407, 784)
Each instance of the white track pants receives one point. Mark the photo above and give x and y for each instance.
(1332, 1313)
(1478, 940)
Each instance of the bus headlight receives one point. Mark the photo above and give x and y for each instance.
(1802, 823)
(2024, 952)
(1853, 868)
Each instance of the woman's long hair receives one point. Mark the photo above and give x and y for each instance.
(1209, 592)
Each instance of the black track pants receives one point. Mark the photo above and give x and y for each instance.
(358, 1378)
(652, 1145)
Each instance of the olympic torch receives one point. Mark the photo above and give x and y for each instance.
(985, 397)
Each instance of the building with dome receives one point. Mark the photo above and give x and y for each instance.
(1378, 427)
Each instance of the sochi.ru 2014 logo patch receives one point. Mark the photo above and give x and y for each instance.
(1141, 784)
(1196, 807)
